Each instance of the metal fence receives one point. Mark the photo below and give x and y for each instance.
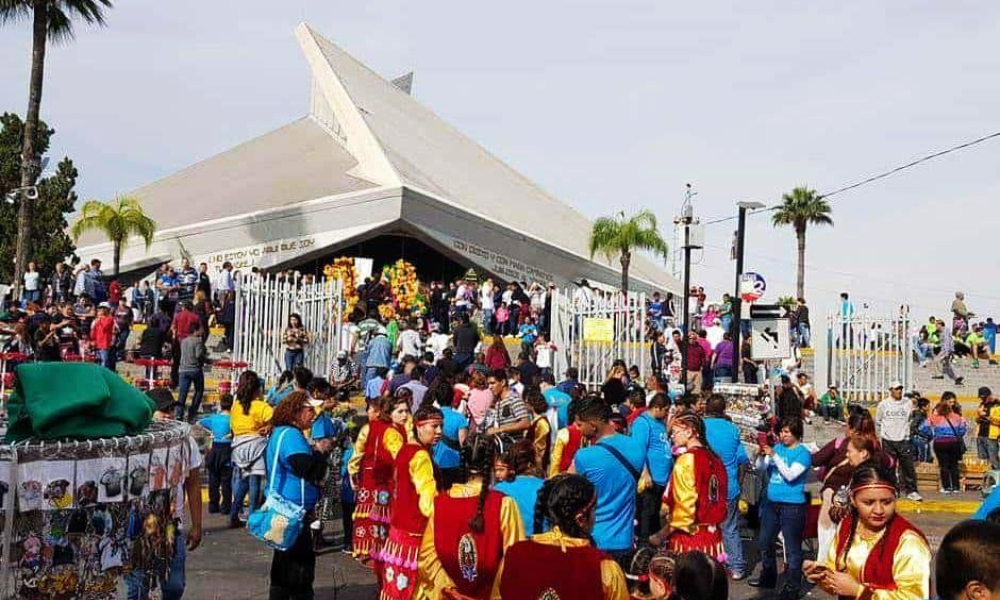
(263, 306)
(591, 335)
(867, 350)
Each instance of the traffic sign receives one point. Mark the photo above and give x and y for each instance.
(752, 287)
(767, 311)
(770, 339)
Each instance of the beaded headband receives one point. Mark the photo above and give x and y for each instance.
(430, 420)
(873, 486)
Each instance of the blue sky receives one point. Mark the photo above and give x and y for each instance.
(605, 104)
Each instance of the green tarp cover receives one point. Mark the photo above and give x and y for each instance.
(74, 401)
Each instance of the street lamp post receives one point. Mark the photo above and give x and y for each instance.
(735, 326)
(693, 239)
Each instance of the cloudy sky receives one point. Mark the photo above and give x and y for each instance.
(605, 104)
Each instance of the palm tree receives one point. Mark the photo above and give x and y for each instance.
(118, 221)
(619, 236)
(800, 208)
(52, 20)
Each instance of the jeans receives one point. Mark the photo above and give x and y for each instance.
(488, 321)
(731, 537)
(186, 379)
(139, 583)
(948, 456)
(252, 484)
(647, 512)
(805, 335)
(463, 360)
(32, 295)
(992, 448)
(293, 571)
(924, 352)
(120, 342)
(723, 375)
(219, 465)
(946, 368)
(790, 519)
(903, 452)
(831, 411)
(108, 358)
(294, 358)
(923, 449)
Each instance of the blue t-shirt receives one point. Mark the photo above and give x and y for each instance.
(373, 389)
(218, 424)
(346, 491)
(559, 400)
(528, 333)
(524, 491)
(724, 439)
(651, 435)
(655, 309)
(446, 457)
(325, 427)
(286, 483)
(790, 492)
(275, 395)
(615, 489)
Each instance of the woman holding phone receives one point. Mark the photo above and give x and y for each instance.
(877, 554)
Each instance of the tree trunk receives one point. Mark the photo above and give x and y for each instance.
(117, 260)
(800, 285)
(626, 259)
(29, 166)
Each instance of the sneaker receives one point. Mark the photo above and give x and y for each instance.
(915, 497)
(959, 381)
(737, 576)
(937, 376)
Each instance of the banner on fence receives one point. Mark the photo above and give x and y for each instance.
(598, 330)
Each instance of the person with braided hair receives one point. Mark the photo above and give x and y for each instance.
(696, 495)
(471, 529)
(371, 469)
(573, 567)
(521, 481)
(413, 504)
(877, 554)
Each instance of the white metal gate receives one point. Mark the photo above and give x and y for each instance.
(592, 335)
(868, 350)
(263, 305)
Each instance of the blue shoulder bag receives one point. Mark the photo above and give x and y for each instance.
(278, 522)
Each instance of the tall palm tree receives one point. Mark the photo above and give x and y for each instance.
(800, 208)
(117, 221)
(51, 20)
(619, 236)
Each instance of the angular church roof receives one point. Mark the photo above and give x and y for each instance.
(427, 154)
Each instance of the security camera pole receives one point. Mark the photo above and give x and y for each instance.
(31, 167)
(735, 326)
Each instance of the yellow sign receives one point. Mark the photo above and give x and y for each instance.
(598, 330)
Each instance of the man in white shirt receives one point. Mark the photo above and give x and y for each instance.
(892, 417)
(225, 281)
(486, 304)
(409, 343)
(714, 333)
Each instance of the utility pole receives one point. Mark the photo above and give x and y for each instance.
(735, 326)
(693, 239)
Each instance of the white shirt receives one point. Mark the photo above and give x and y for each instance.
(225, 282)
(81, 283)
(437, 343)
(486, 297)
(409, 343)
(583, 297)
(31, 281)
(544, 356)
(460, 295)
(192, 460)
(892, 417)
(714, 335)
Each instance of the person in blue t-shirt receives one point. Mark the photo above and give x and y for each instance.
(219, 462)
(556, 399)
(295, 472)
(724, 439)
(447, 452)
(649, 431)
(373, 389)
(347, 498)
(613, 463)
(787, 467)
(517, 476)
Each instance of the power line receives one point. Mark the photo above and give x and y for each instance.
(877, 177)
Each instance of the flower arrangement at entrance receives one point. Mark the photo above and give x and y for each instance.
(343, 268)
(404, 287)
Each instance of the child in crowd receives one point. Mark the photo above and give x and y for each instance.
(544, 353)
(219, 462)
(502, 316)
(347, 499)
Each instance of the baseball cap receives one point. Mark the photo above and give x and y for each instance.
(985, 392)
(342, 354)
(895, 384)
(103, 305)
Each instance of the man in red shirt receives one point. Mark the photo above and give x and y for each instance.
(102, 333)
(696, 359)
(180, 328)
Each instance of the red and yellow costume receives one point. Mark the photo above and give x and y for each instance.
(372, 466)
(540, 434)
(454, 557)
(894, 564)
(568, 441)
(696, 498)
(556, 567)
(413, 506)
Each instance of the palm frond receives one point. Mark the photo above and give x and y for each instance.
(118, 222)
(14, 11)
(62, 13)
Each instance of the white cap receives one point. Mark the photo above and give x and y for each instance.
(315, 403)
(895, 384)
